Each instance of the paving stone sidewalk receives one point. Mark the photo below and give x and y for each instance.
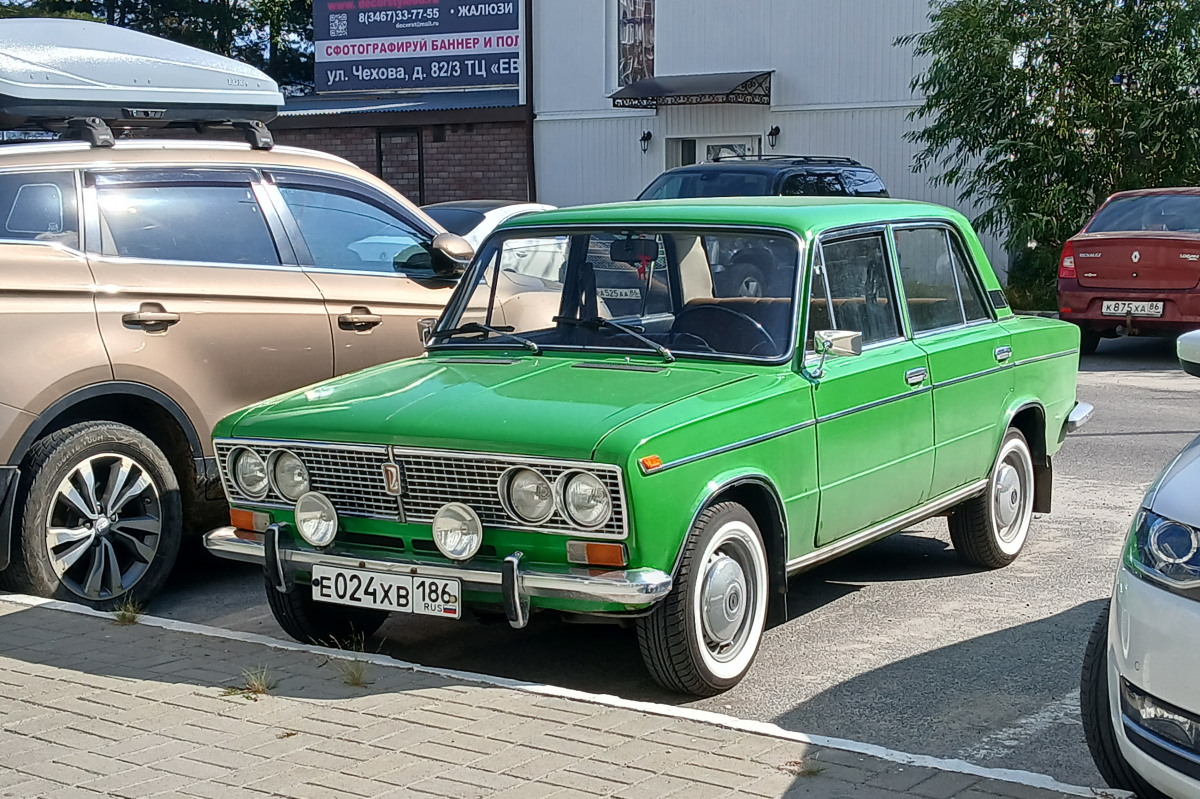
(89, 708)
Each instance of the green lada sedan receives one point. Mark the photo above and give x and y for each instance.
(598, 429)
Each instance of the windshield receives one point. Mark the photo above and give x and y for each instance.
(708, 183)
(1149, 212)
(663, 292)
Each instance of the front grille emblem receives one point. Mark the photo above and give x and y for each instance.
(393, 479)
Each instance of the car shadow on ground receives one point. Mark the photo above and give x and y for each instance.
(1132, 353)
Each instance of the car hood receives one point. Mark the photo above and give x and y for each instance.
(1173, 494)
(543, 406)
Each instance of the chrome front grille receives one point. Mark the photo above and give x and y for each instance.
(352, 477)
(435, 477)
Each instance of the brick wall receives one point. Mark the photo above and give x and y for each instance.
(482, 160)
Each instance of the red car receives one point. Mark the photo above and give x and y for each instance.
(1135, 267)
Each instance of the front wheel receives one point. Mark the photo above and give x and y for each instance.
(321, 623)
(703, 637)
(989, 530)
(1097, 717)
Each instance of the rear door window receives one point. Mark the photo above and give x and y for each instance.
(39, 206)
(183, 216)
(939, 289)
(814, 184)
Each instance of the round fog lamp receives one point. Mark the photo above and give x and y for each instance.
(249, 472)
(457, 531)
(316, 519)
(289, 475)
(586, 499)
(527, 495)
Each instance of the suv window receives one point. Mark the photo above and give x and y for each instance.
(938, 288)
(708, 183)
(857, 288)
(352, 231)
(39, 206)
(184, 220)
(813, 184)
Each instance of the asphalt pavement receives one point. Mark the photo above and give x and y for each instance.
(896, 645)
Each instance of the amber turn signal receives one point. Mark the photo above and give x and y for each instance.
(249, 520)
(650, 463)
(591, 553)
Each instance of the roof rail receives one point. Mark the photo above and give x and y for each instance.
(98, 133)
(796, 159)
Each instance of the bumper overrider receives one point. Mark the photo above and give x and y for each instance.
(514, 582)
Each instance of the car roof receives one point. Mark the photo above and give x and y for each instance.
(803, 215)
(767, 166)
(474, 205)
(1168, 190)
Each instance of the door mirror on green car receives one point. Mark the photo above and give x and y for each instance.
(835, 342)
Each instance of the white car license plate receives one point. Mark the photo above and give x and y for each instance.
(619, 294)
(1123, 307)
(399, 593)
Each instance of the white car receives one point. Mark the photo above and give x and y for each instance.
(475, 219)
(1140, 687)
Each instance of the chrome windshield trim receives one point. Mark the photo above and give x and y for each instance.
(895, 524)
(729, 447)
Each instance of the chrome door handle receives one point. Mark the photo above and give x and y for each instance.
(1003, 353)
(359, 318)
(915, 377)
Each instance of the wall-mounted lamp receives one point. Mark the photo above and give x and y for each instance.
(645, 140)
(773, 136)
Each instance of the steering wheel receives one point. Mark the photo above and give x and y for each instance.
(745, 320)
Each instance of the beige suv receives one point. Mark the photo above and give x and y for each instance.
(146, 290)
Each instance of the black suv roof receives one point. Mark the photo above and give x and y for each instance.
(769, 172)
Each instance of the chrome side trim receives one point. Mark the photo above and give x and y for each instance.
(974, 375)
(729, 447)
(884, 529)
(1037, 358)
(624, 587)
(877, 403)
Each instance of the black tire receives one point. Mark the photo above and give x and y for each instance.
(1097, 717)
(112, 557)
(981, 537)
(1089, 340)
(673, 638)
(321, 623)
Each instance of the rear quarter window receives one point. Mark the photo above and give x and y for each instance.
(39, 206)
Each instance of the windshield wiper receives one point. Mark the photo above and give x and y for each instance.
(476, 327)
(600, 322)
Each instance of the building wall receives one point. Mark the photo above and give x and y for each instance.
(432, 163)
(841, 86)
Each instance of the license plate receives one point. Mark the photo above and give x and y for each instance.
(1123, 307)
(399, 593)
(619, 294)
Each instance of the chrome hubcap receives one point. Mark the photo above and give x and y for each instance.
(1008, 500)
(103, 526)
(724, 601)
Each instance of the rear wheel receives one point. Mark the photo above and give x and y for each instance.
(1095, 708)
(322, 623)
(989, 530)
(703, 637)
(100, 517)
(1089, 340)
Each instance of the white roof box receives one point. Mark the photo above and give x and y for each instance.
(53, 70)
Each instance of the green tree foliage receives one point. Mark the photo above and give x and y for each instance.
(273, 35)
(1036, 110)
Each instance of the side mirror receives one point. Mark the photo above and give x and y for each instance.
(1188, 349)
(835, 342)
(425, 328)
(450, 255)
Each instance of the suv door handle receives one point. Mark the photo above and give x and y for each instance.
(151, 316)
(915, 377)
(360, 318)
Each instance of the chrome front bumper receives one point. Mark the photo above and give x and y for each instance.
(1079, 416)
(514, 582)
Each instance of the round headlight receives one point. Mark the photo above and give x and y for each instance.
(527, 495)
(288, 475)
(249, 472)
(586, 499)
(1173, 542)
(316, 519)
(457, 531)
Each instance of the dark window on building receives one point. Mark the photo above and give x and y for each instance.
(635, 40)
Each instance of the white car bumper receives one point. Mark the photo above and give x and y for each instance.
(1154, 645)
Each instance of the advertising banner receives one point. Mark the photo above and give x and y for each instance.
(417, 45)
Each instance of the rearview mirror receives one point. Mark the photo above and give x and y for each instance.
(1188, 349)
(450, 255)
(838, 342)
(633, 251)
